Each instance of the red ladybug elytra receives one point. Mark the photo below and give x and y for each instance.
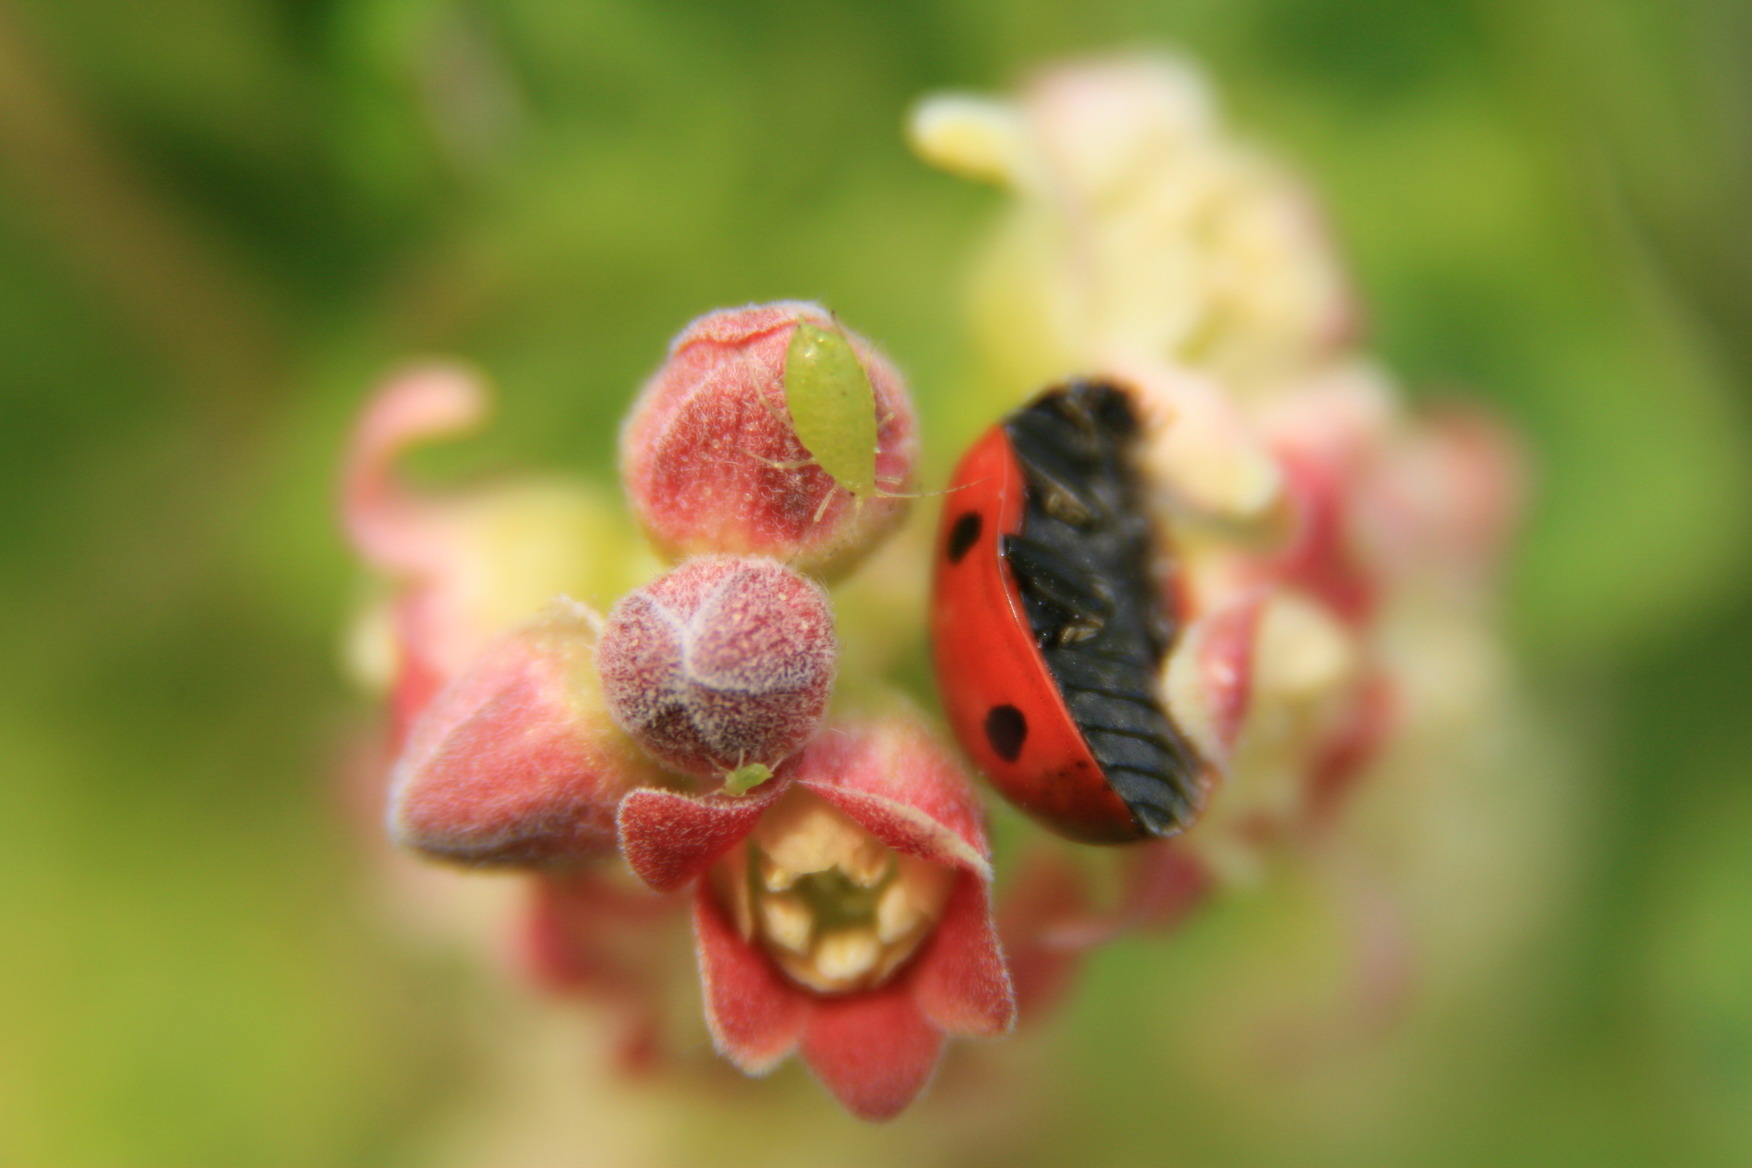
(1049, 627)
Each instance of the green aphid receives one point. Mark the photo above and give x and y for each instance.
(746, 778)
(833, 407)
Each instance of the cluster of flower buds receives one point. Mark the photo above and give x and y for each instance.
(574, 709)
(839, 867)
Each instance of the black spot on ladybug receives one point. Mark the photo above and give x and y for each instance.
(1006, 729)
(963, 535)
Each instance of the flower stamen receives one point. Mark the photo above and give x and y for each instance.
(836, 909)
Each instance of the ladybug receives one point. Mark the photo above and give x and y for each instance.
(1049, 623)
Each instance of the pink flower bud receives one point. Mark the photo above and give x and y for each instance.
(723, 662)
(516, 762)
(713, 462)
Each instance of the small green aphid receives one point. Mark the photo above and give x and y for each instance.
(747, 777)
(833, 407)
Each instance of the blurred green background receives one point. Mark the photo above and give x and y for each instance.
(220, 220)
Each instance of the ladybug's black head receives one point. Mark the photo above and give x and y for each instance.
(1104, 406)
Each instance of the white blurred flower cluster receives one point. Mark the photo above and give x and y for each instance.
(1338, 552)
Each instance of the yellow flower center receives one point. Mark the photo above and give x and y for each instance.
(837, 909)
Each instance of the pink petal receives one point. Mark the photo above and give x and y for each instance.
(390, 527)
(516, 762)
(754, 1014)
(592, 934)
(1486, 464)
(465, 565)
(550, 948)
(1226, 661)
(1448, 496)
(1322, 558)
(905, 828)
(1166, 881)
(670, 838)
(1040, 899)
(903, 787)
(960, 981)
(418, 678)
(1210, 676)
(576, 935)
(874, 1051)
(1049, 919)
(1161, 883)
(1351, 747)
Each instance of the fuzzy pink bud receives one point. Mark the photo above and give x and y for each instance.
(516, 762)
(713, 463)
(723, 662)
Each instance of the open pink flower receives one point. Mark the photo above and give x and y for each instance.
(841, 911)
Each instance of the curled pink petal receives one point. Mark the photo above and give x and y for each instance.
(390, 526)
(1329, 438)
(669, 839)
(902, 786)
(466, 564)
(874, 1051)
(905, 828)
(415, 678)
(961, 982)
(755, 1016)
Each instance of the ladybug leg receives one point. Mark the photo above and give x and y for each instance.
(1063, 491)
(1065, 501)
